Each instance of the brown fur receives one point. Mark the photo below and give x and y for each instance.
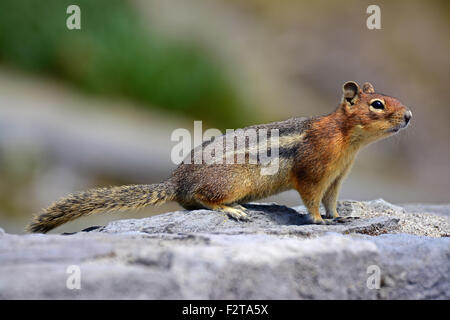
(315, 155)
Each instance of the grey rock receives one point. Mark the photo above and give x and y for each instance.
(414, 267)
(265, 218)
(204, 255)
(440, 209)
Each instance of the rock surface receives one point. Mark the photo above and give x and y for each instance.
(204, 255)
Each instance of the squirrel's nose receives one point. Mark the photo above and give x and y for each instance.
(408, 116)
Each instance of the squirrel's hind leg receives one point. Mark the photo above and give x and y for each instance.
(223, 202)
(236, 211)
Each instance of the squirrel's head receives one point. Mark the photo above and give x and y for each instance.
(371, 116)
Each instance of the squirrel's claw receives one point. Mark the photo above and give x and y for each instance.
(239, 216)
(333, 221)
(238, 213)
(322, 221)
(344, 219)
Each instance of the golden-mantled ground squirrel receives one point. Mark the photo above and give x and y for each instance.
(314, 156)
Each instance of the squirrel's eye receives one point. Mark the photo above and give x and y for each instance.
(377, 104)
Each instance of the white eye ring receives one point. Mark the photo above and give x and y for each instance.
(377, 109)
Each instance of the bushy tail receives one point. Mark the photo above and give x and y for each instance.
(101, 200)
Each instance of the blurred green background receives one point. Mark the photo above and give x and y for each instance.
(97, 106)
(116, 55)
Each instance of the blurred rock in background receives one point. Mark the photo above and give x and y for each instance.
(97, 106)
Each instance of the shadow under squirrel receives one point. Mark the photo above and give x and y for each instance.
(315, 155)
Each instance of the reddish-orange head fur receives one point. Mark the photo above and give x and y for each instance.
(370, 116)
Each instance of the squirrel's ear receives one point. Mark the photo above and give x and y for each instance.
(351, 93)
(368, 88)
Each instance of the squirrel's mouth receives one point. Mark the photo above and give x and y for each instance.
(394, 130)
(398, 128)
